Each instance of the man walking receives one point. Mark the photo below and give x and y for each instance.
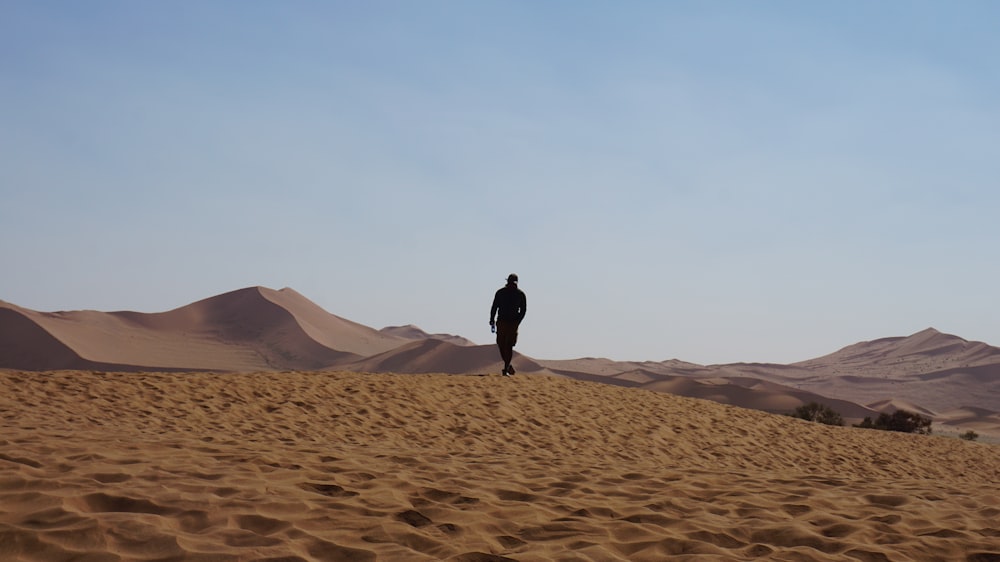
(511, 304)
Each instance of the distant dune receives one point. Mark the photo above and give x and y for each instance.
(890, 406)
(929, 371)
(334, 466)
(249, 329)
(437, 356)
(261, 329)
(925, 352)
(412, 332)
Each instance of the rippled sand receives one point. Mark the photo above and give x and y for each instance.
(343, 466)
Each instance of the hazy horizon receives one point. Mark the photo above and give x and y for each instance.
(708, 181)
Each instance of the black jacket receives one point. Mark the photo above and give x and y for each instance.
(511, 303)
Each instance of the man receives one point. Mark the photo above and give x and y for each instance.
(511, 304)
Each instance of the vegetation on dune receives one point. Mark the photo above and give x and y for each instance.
(816, 412)
(969, 435)
(901, 420)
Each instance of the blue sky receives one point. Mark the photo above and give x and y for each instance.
(710, 181)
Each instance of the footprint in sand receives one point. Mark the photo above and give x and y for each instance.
(414, 518)
(887, 501)
(329, 490)
(111, 478)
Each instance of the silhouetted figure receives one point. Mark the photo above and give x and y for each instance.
(511, 304)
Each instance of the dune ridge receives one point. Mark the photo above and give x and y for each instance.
(412, 332)
(247, 329)
(258, 328)
(438, 356)
(292, 466)
(926, 351)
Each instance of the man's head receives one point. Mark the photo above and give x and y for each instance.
(512, 279)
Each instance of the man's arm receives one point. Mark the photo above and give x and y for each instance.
(523, 307)
(493, 309)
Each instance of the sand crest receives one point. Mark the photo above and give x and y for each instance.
(953, 381)
(342, 466)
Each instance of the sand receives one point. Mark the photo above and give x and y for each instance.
(953, 381)
(297, 466)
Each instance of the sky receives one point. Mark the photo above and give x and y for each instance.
(712, 181)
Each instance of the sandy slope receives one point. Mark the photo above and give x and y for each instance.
(925, 351)
(939, 375)
(247, 329)
(954, 381)
(338, 466)
(412, 332)
(437, 356)
(934, 371)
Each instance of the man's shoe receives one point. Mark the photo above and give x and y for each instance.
(504, 372)
(510, 370)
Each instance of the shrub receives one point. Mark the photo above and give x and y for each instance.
(816, 412)
(969, 435)
(902, 421)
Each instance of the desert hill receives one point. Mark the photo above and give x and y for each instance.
(925, 351)
(937, 371)
(939, 375)
(261, 329)
(412, 332)
(748, 392)
(438, 356)
(249, 329)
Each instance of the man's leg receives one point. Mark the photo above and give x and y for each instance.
(501, 347)
(512, 340)
(506, 336)
(507, 353)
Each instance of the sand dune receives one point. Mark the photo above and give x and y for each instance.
(437, 356)
(24, 344)
(253, 328)
(960, 420)
(412, 332)
(754, 393)
(890, 406)
(608, 367)
(257, 329)
(928, 372)
(744, 385)
(923, 352)
(328, 329)
(310, 467)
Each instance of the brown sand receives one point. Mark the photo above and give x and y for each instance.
(951, 380)
(338, 466)
(249, 329)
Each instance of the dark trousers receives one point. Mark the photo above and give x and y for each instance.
(506, 339)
